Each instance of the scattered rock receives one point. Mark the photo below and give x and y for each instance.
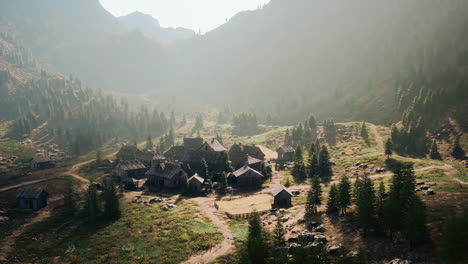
(321, 239)
(333, 250)
(424, 187)
(399, 261)
(156, 200)
(320, 229)
(293, 247)
(429, 192)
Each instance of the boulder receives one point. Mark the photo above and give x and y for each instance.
(156, 200)
(320, 229)
(293, 248)
(424, 187)
(399, 261)
(293, 239)
(429, 192)
(315, 245)
(165, 208)
(333, 250)
(321, 239)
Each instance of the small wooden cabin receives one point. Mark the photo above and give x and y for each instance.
(286, 154)
(282, 197)
(165, 175)
(33, 199)
(239, 154)
(128, 171)
(246, 176)
(196, 184)
(41, 162)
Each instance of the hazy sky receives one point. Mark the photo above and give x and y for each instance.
(194, 14)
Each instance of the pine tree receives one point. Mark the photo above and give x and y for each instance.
(91, 206)
(223, 183)
(314, 197)
(278, 233)
(324, 169)
(344, 195)
(205, 172)
(332, 202)
(69, 203)
(149, 144)
(365, 204)
(435, 151)
(111, 200)
(364, 134)
(388, 148)
(414, 221)
(98, 158)
(257, 248)
(313, 166)
(453, 240)
(457, 151)
(299, 157)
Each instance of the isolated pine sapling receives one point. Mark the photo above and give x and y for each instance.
(278, 233)
(457, 151)
(344, 195)
(332, 202)
(389, 148)
(365, 204)
(435, 151)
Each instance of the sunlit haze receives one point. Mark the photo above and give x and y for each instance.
(203, 15)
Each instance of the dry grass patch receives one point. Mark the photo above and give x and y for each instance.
(259, 202)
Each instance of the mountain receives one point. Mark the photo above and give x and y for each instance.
(151, 28)
(345, 60)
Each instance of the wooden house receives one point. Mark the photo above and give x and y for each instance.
(42, 162)
(238, 154)
(165, 175)
(175, 153)
(33, 199)
(255, 163)
(282, 197)
(196, 184)
(245, 177)
(286, 154)
(129, 152)
(212, 152)
(128, 171)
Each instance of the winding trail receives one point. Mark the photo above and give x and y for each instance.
(9, 241)
(228, 238)
(378, 138)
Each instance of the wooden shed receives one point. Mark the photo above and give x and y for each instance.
(41, 162)
(282, 197)
(246, 176)
(165, 175)
(33, 199)
(196, 184)
(286, 154)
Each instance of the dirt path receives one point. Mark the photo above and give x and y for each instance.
(378, 138)
(222, 248)
(9, 241)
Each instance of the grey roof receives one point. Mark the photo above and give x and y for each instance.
(41, 158)
(215, 145)
(30, 193)
(252, 160)
(280, 189)
(127, 165)
(286, 148)
(175, 152)
(197, 177)
(244, 170)
(165, 170)
(251, 150)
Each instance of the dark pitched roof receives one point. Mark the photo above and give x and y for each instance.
(128, 152)
(41, 158)
(286, 149)
(193, 143)
(198, 156)
(215, 145)
(128, 165)
(244, 170)
(197, 178)
(251, 150)
(252, 160)
(280, 189)
(165, 170)
(175, 152)
(30, 193)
